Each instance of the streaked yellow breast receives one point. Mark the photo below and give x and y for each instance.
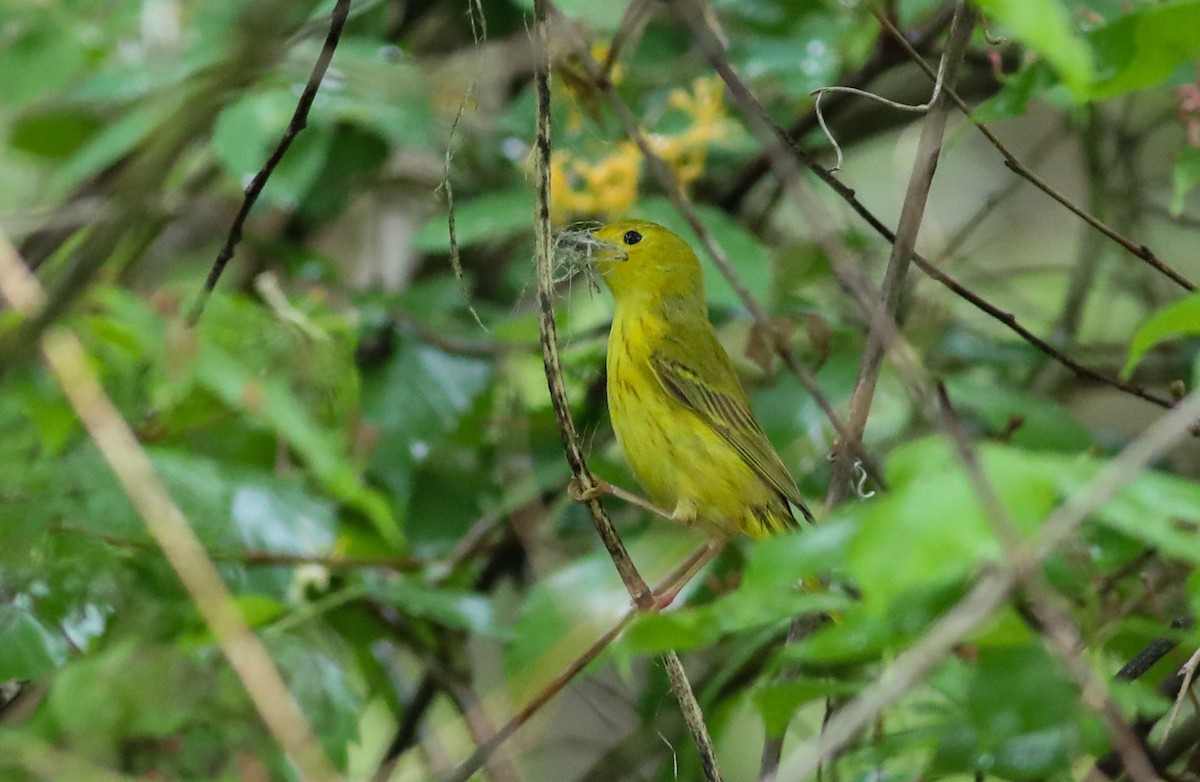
(679, 460)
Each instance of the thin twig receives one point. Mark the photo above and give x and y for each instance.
(782, 164)
(1140, 251)
(642, 597)
(1055, 624)
(548, 329)
(498, 767)
(479, 34)
(69, 363)
(884, 56)
(928, 151)
(991, 591)
(552, 688)
(632, 22)
(693, 717)
(337, 20)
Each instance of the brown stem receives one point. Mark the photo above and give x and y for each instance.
(928, 151)
(1140, 251)
(337, 20)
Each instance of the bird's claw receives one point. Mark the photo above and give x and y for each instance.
(580, 494)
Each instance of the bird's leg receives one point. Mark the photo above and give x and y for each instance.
(601, 487)
(668, 589)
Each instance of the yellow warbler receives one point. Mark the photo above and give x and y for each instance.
(679, 412)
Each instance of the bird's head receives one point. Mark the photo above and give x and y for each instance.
(639, 258)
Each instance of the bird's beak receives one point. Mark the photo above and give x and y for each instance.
(579, 246)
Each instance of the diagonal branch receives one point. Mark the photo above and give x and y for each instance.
(992, 590)
(783, 165)
(643, 599)
(1139, 251)
(337, 20)
(928, 151)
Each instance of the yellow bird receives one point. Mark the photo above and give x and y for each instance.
(678, 409)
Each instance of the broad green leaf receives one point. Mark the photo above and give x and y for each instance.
(487, 217)
(931, 528)
(54, 133)
(467, 611)
(1186, 176)
(29, 649)
(413, 402)
(270, 400)
(1144, 47)
(1018, 716)
(1045, 424)
(1162, 511)
(772, 592)
(1045, 27)
(1178, 319)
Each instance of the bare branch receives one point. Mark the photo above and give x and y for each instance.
(928, 151)
(1139, 251)
(634, 583)
(337, 20)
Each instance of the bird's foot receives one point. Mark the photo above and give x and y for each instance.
(581, 494)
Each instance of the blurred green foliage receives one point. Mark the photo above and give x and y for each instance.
(381, 482)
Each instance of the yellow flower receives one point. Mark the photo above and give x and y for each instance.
(609, 186)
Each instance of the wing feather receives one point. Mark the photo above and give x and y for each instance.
(732, 419)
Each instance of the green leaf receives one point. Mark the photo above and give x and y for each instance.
(487, 217)
(132, 690)
(772, 592)
(54, 132)
(29, 649)
(271, 400)
(320, 683)
(931, 527)
(1186, 176)
(1045, 424)
(467, 611)
(1045, 27)
(41, 55)
(1144, 47)
(1036, 79)
(778, 701)
(413, 402)
(1018, 718)
(1162, 511)
(601, 17)
(1177, 319)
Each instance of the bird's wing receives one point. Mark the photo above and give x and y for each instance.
(730, 417)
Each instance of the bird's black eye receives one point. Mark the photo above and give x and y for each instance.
(632, 237)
